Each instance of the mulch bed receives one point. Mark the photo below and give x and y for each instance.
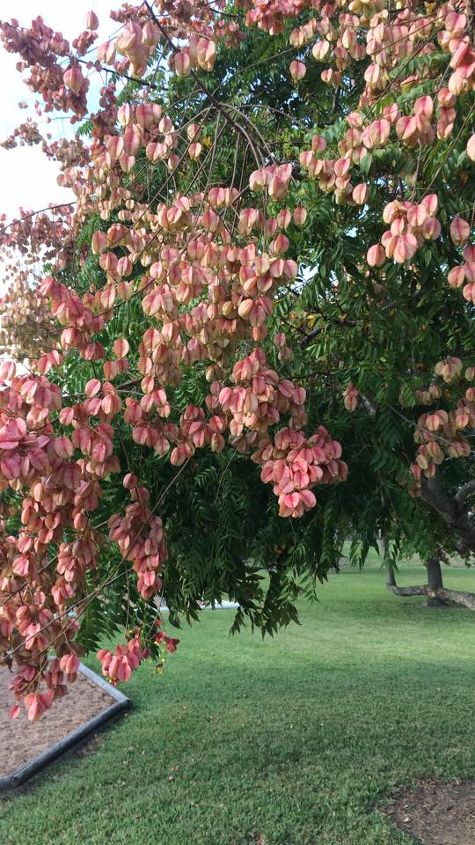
(437, 813)
(21, 740)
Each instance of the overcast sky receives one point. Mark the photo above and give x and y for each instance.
(27, 178)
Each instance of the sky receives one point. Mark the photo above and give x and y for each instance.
(27, 178)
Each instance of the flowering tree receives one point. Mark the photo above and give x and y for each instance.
(271, 230)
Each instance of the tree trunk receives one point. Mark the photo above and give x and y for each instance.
(434, 583)
(434, 589)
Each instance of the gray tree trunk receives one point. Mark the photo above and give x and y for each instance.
(434, 583)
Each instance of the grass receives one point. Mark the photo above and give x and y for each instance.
(291, 741)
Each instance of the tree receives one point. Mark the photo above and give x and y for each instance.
(271, 195)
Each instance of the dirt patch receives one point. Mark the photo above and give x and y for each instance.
(437, 813)
(21, 740)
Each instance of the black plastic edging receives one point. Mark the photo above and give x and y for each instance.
(100, 682)
(76, 736)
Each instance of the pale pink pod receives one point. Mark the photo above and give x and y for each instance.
(459, 230)
(92, 21)
(120, 348)
(297, 70)
(376, 256)
(300, 216)
(73, 79)
(360, 193)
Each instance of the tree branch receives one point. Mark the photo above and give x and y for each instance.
(136, 79)
(433, 495)
(464, 492)
(453, 596)
(407, 591)
(452, 511)
(456, 597)
(209, 94)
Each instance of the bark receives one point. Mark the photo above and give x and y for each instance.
(454, 510)
(458, 597)
(445, 597)
(403, 591)
(434, 583)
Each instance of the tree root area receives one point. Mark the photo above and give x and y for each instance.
(436, 813)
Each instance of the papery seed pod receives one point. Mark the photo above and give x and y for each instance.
(92, 21)
(297, 70)
(73, 79)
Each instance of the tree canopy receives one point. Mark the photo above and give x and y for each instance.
(250, 338)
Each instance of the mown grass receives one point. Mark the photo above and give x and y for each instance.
(291, 741)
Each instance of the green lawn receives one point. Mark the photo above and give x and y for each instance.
(291, 741)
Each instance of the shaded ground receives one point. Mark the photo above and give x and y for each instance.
(437, 813)
(21, 740)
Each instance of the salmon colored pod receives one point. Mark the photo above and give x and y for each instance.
(360, 193)
(120, 347)
(73, 79)
(300, 216)
(297, 70)
(459, 230)
(376, 256)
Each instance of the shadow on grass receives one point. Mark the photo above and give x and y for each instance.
(294, 740)
(301, 753)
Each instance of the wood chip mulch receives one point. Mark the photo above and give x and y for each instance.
(21, 740)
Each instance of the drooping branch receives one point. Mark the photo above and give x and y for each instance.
(403, 591)
(456, 597)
